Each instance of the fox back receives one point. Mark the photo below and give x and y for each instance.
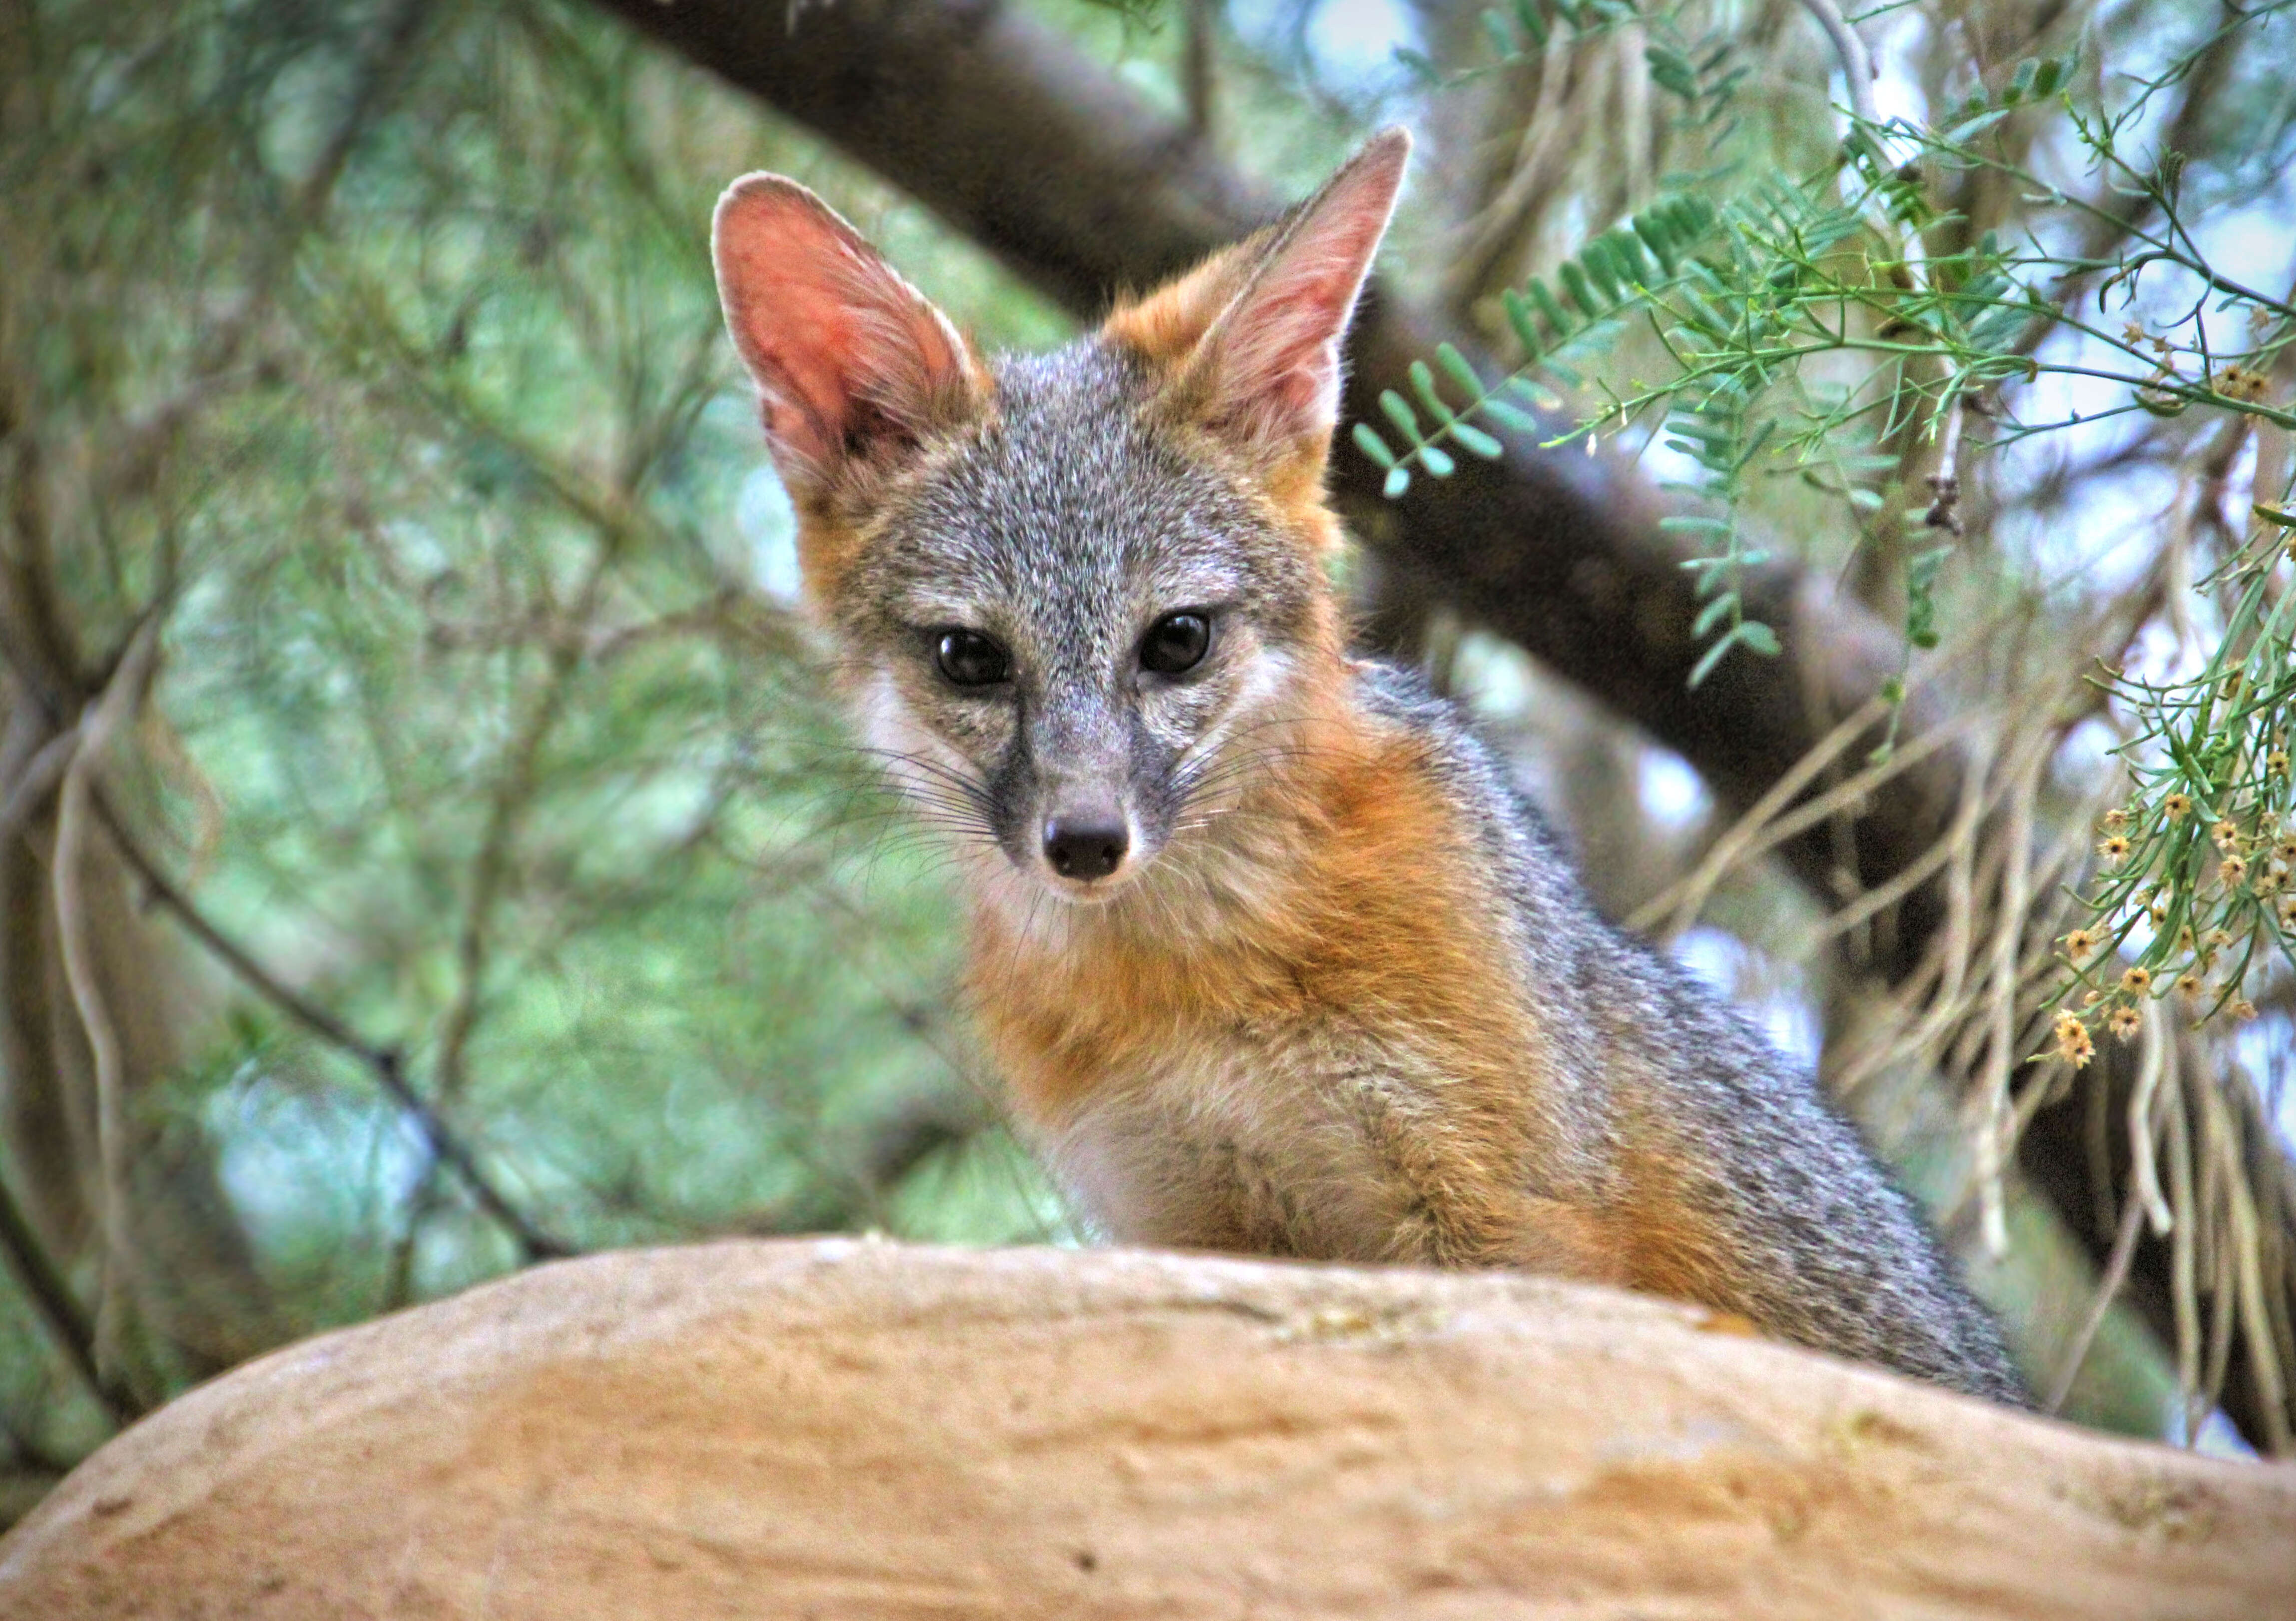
(1270, 952)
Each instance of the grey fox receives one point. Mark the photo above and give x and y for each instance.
(1271, 954)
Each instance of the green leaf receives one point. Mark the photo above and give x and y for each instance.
(1602, 270)
(1456, 366)
(1533, 21)
(1371, 444)
(1472, 437)
(1671, 70)
(1714, 655)
(1399, 412)
(1922, 571)
(2274, 515)
(1547, 307)
(1713, 614)
(1658, 238)
(1961, 135)
(2050, 75)
(1537, 394)
(1399, 479)
(1627, 253)
(1423, 383)
(1759, 638)
(2021, 85)
(1438, 462)
(1508, 418)
(1683, 523)
(1526, 327)
(1574, 284)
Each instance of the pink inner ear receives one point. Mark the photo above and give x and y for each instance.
(1275, 355)
(846, 355)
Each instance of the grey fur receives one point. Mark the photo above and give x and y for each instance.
(1064, 528)
(1840, 1254)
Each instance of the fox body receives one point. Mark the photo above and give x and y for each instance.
(1272, 955)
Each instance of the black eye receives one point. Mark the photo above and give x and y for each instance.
(1175, 643)
(971, 659)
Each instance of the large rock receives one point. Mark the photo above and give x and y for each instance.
(849, 1428)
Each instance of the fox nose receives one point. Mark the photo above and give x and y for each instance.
(1085, 845)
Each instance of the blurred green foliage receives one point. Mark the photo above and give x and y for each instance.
(482, 716)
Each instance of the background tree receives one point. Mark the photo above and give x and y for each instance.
(424, 846)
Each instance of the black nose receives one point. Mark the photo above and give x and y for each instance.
(1087, 847)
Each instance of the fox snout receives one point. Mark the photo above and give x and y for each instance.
(1086, 843)
(1089, 837)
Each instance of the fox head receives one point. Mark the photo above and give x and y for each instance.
(1074, 596)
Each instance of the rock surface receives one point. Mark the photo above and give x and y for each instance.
(849, 1428)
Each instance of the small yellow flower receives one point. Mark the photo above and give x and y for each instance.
(2275, 764)
(2081, 945)
(2268, 882)
(2073, 1043)
(2178, 806)
(2125, 1022)
(2114, 849)
(2284, 847)
(2184, 944)
(2219, 939)
(2112, 822)
(2233, 872)
(2243, 1010)
(2226, 834)
(2137, 982)
(2190, 988)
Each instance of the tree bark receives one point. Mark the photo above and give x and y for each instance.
(849, 1429)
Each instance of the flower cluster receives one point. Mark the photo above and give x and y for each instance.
(2195, 876)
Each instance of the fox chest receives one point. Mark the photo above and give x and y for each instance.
(1310, 1140)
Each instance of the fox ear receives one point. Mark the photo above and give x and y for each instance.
(854, 366)
(1263, 370)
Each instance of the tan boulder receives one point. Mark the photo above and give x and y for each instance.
(851, 1428)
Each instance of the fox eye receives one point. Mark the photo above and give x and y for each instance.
(971, 659)
(1175, 643)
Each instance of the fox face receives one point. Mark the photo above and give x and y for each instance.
(1071, 596)
(1056, 628)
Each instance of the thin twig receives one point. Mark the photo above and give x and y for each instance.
(2116, 1274)
(52, 1297)
(384, 1063)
